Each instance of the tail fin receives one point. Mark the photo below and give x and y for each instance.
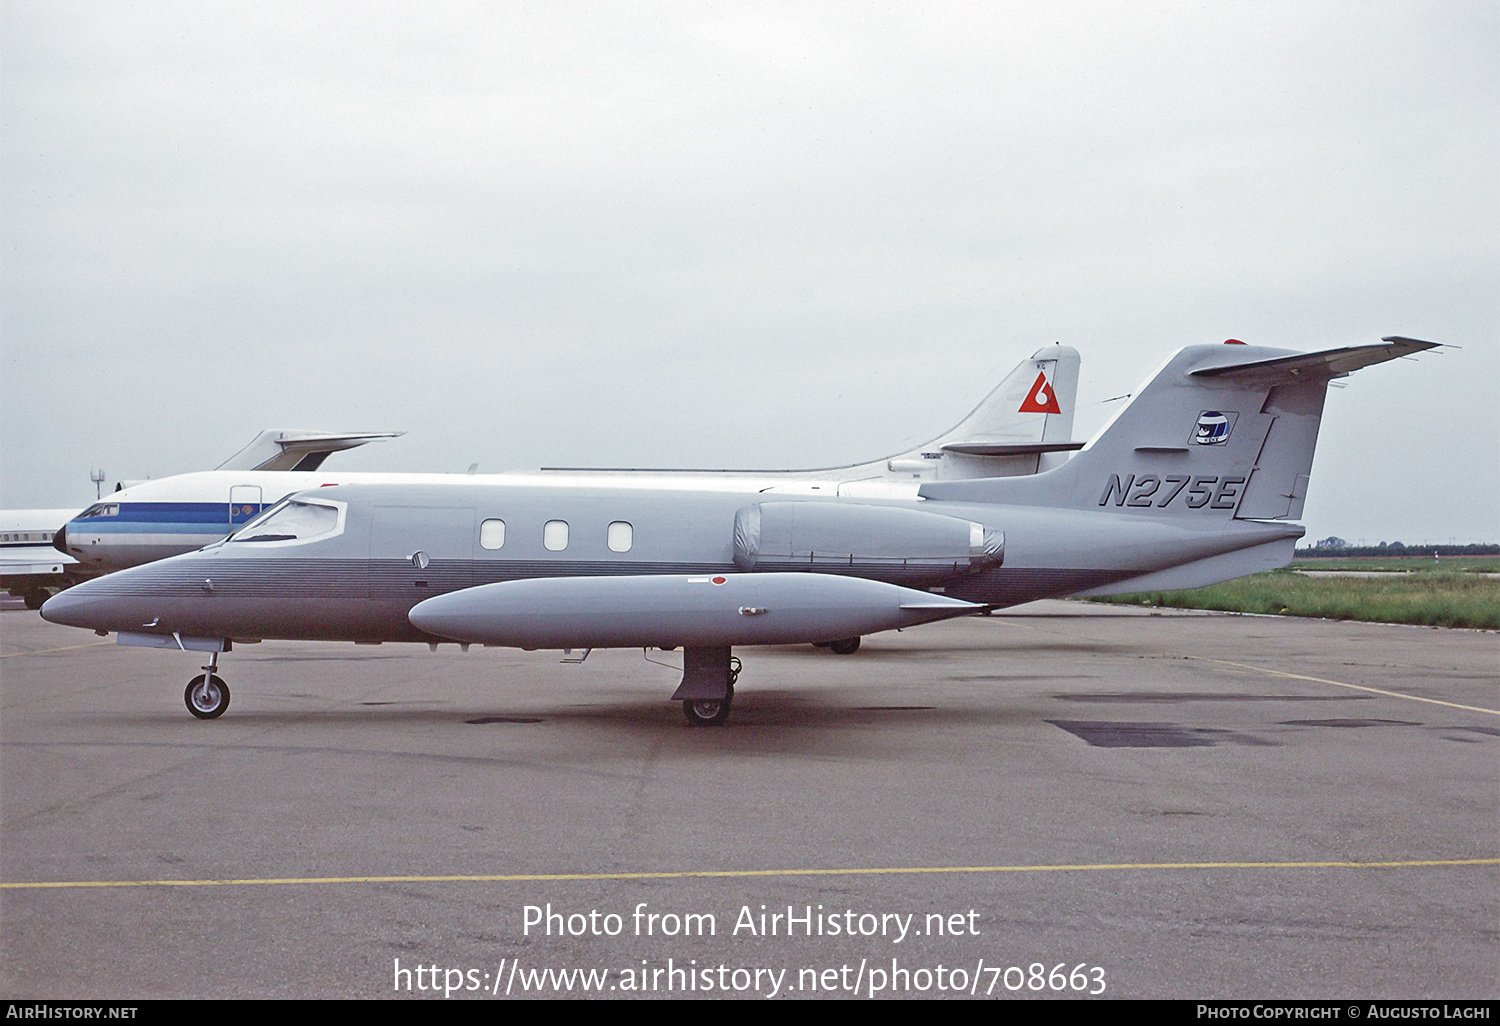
(1034, 404)
(1216, 434)
(1025, 425)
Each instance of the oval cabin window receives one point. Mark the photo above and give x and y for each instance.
(555, 535)
(621, 536)
(492, 534)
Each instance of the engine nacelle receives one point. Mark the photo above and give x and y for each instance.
(865, 539)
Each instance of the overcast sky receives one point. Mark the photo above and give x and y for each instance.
(737, 235)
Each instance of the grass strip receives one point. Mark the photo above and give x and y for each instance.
(1401, 564)
(1435, 599)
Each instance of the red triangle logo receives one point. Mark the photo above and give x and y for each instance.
(1041, 398)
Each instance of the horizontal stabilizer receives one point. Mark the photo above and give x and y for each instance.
(995, 449)
(1330, 363)
(283, 449)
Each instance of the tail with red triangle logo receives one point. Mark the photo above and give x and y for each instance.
(1025, 425)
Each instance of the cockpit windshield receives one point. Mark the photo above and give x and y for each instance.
(102, 509)
(290, 520)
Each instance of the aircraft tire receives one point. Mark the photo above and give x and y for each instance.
(848, 646)
(706, 712)
(207, 696)
(35, 596)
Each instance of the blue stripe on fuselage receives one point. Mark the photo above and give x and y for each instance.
(169, 518)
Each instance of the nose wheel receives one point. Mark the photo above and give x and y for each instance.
(207, 696)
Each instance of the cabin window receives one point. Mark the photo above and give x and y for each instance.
(291, 521)
(492, 534)
(555, 535)
(621, 535)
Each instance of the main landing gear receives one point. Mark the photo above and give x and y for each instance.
(707, 688)
(845, 646)
(207, 696)
(706, 712)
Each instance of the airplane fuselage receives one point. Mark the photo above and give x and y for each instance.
(389, 547)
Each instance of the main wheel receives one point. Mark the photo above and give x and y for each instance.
(207, 696)
(35, 596)
(706, 712)
(848, 646)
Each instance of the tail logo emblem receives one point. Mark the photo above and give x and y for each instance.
(1041, 398)
(1213, 427)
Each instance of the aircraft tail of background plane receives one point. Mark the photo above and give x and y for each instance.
(1023, 426)
(1046, 384)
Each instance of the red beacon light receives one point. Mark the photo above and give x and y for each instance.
(1233, 342)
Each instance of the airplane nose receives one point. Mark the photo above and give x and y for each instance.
(60, 540)
(83, 606)
(66, 607)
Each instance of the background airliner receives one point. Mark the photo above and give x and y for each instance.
(32, 562)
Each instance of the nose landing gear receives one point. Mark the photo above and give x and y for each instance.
(207, 696)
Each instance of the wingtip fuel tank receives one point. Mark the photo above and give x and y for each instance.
(678, 610)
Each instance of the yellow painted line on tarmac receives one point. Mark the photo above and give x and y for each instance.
(1341, 684)
(65, 648)
(750, 873)
(1316, 680)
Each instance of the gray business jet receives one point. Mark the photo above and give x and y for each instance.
(1198, 479)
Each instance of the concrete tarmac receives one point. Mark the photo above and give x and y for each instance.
(1164, 803)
